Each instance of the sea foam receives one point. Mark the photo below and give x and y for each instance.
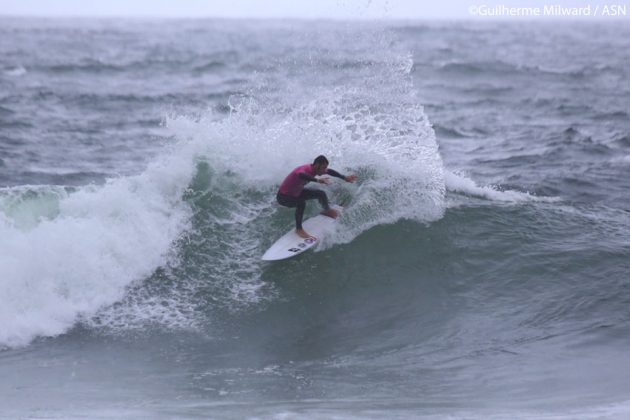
(66, 264)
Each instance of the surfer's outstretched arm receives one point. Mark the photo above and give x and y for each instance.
(349, 178)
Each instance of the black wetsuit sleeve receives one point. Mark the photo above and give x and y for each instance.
(334, 173)
(307, 177)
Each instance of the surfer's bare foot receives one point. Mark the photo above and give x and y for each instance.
(331, 213)
(303, 234)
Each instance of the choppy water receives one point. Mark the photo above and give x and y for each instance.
(480, 270)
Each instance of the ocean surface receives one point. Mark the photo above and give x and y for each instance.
(480, 271)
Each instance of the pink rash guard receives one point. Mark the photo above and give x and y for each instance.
(293, 184)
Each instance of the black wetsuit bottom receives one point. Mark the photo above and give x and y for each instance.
(299, 202)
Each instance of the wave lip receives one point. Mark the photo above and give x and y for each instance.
(461, 184)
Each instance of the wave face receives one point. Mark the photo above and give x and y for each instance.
(479, 270)
(215, 185)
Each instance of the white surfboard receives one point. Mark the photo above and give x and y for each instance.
(291, 244)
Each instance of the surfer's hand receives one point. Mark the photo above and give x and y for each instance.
(351, 178)
(324, 181)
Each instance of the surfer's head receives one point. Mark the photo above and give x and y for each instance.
(320, 164)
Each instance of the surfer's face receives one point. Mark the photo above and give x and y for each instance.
(320, 169)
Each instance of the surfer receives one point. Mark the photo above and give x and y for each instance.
(293, 194)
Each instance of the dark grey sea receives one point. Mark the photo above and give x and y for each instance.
(481, 269)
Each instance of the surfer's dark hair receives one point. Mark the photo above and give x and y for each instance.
(320, 160)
